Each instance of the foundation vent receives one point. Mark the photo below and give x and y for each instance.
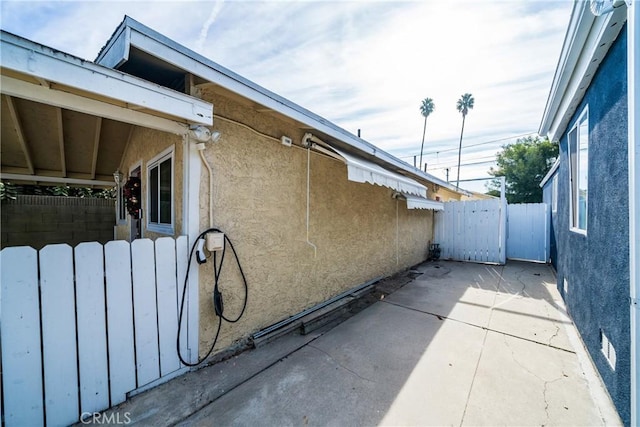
(608, 350)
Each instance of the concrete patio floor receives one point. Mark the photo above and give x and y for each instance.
(461, 344)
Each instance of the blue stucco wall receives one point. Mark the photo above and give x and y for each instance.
(547, 197)
(596, 266)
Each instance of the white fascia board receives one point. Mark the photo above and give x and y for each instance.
(33, 92)
(156, 44)
(579, 25)
(552, 171)
(41, 62)
(581, 56)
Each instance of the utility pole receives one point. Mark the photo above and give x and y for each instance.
(447, 169)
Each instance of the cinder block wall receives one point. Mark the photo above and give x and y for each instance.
(37, 221)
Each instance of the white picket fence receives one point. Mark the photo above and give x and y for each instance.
(472, 230)
(82, 327)
(528, 232)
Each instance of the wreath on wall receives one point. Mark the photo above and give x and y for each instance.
(132, 191)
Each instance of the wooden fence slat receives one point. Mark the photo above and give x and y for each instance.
(59, 350)
(20, 335)
(109, 325)
(182, 255)
(122, 364)
(92, 331)
(145, 312)
(167, 306)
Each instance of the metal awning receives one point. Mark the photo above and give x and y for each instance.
(361, 170)
(414, 202)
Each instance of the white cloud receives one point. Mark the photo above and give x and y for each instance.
(361, 64)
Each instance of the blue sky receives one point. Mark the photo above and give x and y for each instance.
(361, 64)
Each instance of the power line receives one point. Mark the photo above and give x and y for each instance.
(468, 146)
(463, 164)
(453, 162)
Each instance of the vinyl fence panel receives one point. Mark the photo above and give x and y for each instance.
(528, 232)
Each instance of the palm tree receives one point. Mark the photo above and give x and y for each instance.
(465, 103)
(426, 108)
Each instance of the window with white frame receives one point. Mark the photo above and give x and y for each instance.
(160, 193)
(579, 172)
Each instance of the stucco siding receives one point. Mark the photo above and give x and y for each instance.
(260, 200)
(595, 265)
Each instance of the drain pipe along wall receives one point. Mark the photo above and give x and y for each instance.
(633, 96)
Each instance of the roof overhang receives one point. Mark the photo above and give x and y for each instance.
(67, 121)
(586, 43)
(56, 70)
(132, 40)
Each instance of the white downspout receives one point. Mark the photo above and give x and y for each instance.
(201, 148)
(191, 227)
(633, 98)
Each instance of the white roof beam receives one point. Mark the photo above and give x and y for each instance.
(63, 160)
(96, 146)
(15, 118)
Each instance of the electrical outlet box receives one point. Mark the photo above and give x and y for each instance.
(286, 141)
(214, 241)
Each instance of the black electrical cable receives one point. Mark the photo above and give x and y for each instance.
(217, 295)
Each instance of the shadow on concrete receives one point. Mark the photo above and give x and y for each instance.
(460, 344)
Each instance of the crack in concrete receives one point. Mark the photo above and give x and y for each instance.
(553, 322)
(555, 334)
(545, 384)
(544, 396)
(340, 364)
(524, 285)
(513, 356)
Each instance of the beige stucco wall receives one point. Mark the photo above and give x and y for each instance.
(143, 146)
(444, 194)
(260, 196)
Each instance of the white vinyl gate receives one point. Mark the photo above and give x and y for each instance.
(489, 231)
(472, 231)
(528, 233)
(82, 327)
